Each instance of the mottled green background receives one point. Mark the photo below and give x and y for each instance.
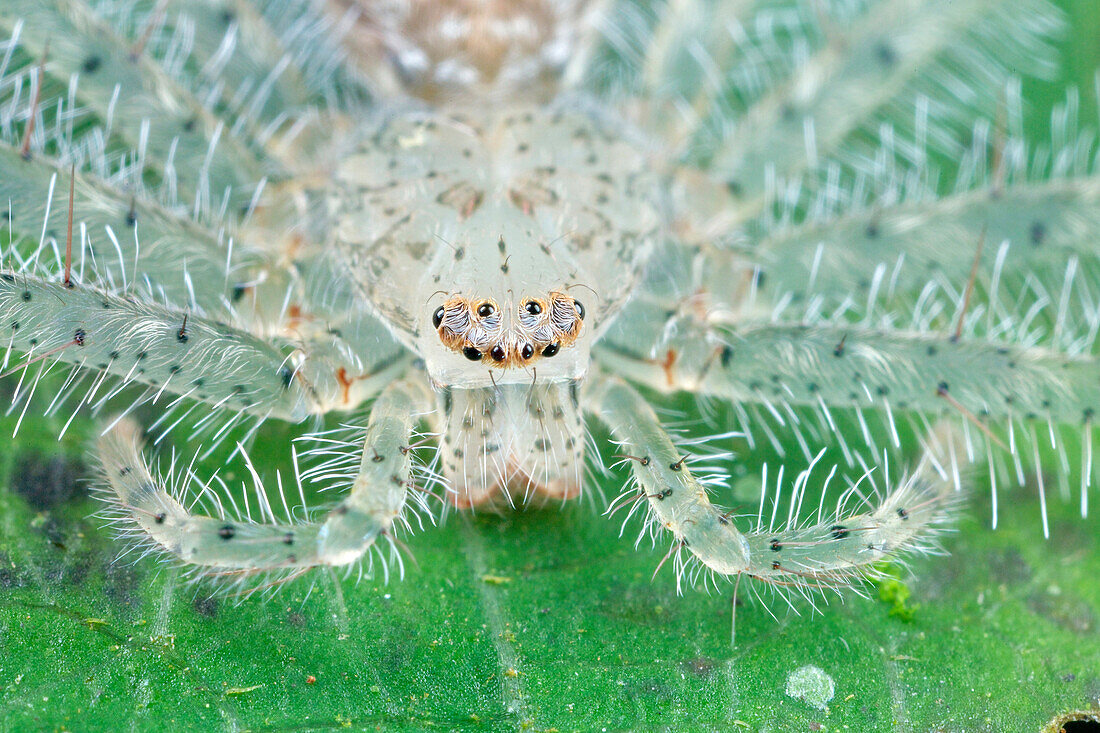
(541, 620)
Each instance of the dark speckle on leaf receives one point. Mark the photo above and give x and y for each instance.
(46, 481)
(205, 606)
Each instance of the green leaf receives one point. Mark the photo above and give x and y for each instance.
(537, 620)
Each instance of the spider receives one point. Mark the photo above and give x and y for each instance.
(498, 220)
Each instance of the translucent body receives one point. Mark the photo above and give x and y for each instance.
(504, 204)
(747, 245)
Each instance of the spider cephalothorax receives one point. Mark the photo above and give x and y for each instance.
(516, 335)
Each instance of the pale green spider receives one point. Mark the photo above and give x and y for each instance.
(493, 218)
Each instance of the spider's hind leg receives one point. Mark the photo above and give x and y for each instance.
(151, 510)
(831, 554)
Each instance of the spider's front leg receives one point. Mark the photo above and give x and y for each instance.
(175, 353)
(831, 554)
(241, 546)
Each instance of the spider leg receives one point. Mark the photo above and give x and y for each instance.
(119, 240)
(177, 353)
(979, 380)
(832, 554)
(174, 153)
(824, 103)
(154, 510)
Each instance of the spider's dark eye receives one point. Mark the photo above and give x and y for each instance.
(498, 353)
(551, 349)
(485, 310)
(532, 307)
(527, 351)
(471, 353)
(437, 317)
(579, 308)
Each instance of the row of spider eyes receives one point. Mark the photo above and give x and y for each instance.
(486, 309)
(499, 354)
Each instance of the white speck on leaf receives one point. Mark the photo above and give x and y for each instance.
(811, 685)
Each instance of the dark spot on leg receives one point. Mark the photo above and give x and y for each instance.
(1037, 233)
(886, 54)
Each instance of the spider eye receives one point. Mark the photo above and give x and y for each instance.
(579, 308)
(551, 349)
(532, 307)
(498, 353)
(471, 353)
(527, 351)
(437, 317)
(485, 310)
